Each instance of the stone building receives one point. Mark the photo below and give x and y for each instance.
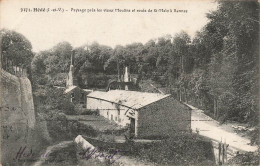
(147, 114)
(75, 93)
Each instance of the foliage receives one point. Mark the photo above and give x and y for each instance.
(216, 71)
(56, 100)
(179, 150)
(79, 110)
(244, 159)
(16, 48)
(62, 156)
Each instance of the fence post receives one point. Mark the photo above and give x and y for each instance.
(223, 153)
(219, 153)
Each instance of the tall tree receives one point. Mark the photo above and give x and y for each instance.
(16, 50)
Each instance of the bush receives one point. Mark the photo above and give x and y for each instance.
(179, 150)
(57, 125)
(244, 159)
(79, 110)
(90, 112)
(68, 108)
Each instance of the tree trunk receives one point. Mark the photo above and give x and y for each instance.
(180, 95)
(182, 65)
(214, 107)
(118, 72)
(217, 106)
(185, 95)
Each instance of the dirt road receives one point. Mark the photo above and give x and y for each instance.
(212, 129)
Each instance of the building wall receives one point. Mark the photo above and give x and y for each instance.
(163, 118)
(109, 110)
(78, 98)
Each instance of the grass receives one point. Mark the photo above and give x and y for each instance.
(185, 149)
(99, 123)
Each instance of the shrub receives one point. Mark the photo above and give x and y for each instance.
(179, 150)
(79, 110)
(90, 112)
(248, 158)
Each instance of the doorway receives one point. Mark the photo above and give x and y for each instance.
(132, 127)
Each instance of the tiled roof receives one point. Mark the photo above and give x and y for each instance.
(131, 99)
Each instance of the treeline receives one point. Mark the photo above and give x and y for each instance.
(217, 70)
(16, 51)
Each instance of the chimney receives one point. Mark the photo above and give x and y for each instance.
(126, 76)
(70, 80)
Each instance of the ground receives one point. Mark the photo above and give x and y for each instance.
(200, 123)
(214, 130)
(97, 122)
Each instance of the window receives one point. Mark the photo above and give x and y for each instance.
(112, 117)
(72, 97)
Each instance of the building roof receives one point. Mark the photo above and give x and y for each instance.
(88, 90)
(132, 99)
(69, 89)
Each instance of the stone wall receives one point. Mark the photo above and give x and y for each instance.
(163, 118)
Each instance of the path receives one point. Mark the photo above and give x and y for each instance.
(119, 159)
(130, 161)
(50, 149)
(212, 129)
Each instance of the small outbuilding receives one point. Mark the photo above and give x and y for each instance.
(147, 114)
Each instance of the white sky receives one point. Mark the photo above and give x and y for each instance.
(45, 30)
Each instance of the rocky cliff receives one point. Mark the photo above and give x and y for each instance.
(17, 115)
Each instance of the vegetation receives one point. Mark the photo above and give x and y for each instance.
(248, 158)
(184, 149)
(179, 150)
(16, 51)
(216, 70)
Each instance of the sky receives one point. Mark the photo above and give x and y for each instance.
(46, 29)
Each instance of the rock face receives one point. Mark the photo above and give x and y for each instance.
(27, 100)
(17, 115)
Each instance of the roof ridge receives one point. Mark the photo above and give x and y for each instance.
(129, 98)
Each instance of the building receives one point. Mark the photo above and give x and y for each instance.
(75, 93)
(147, 114)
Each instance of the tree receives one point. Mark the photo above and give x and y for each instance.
(16, 50)
(59, 58)
(236, 52)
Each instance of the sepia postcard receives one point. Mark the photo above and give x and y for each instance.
(129, 83)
